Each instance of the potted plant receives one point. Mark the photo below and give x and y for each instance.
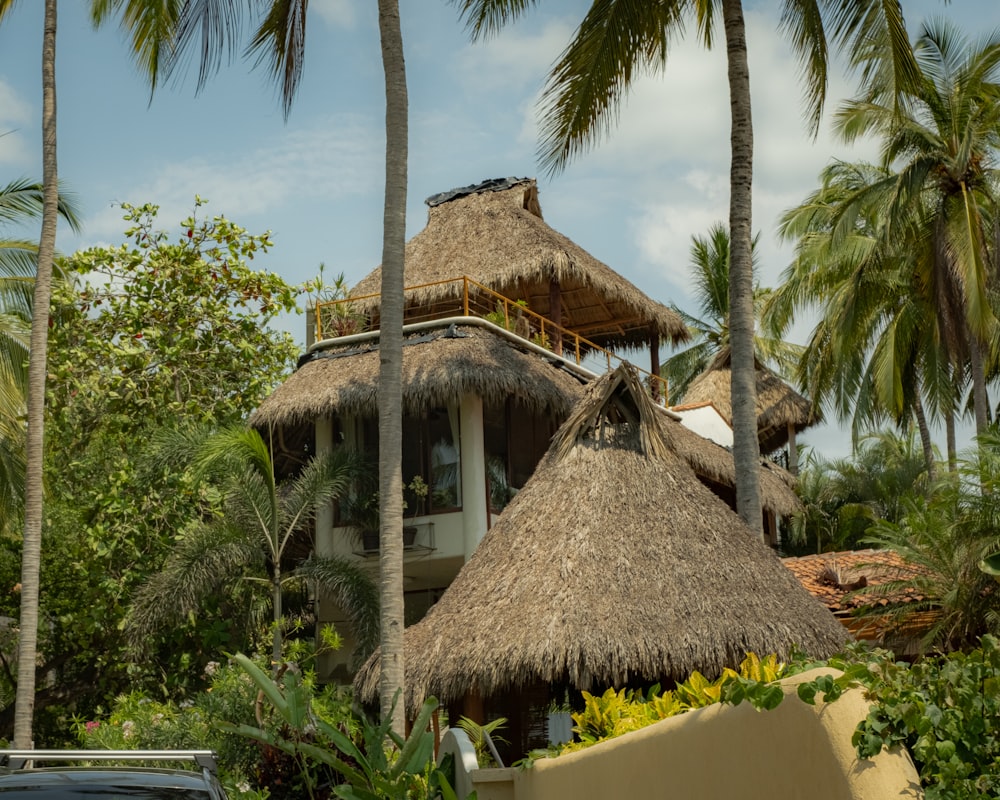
(361, 512)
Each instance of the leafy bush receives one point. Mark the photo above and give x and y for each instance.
(616, 712)
(205, 720)
(946, 712)
(368, 763)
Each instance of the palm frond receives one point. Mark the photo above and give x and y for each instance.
(354, 592)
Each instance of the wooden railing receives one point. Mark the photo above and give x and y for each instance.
(337, 318)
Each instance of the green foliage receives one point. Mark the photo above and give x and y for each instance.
(374, 763)
(945, 536)
(478, 736)
(182, 323)
(620, 711)
(152, 333)
(138, 722)
(944, 710)
(336, 315)
(845, 498)
(501, 315)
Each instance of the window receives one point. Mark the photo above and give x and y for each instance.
(432, 452)
(515, 439)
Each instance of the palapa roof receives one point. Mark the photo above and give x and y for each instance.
(778, 405)
(494, 234)
(715, 463)
(438, 366)
(613, 563)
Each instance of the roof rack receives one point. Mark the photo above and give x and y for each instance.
(20, 759)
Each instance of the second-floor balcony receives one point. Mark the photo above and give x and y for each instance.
(464, 297)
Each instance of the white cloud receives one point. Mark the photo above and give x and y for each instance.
(333, 160)
(15, 115)
(336, 13)
(519, 58)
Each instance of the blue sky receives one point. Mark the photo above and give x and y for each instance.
(316, 181)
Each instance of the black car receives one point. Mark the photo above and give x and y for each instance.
(33, 775)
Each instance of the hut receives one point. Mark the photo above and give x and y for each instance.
(782, 413)
(488, 377)
(614, 565)
(493, 234)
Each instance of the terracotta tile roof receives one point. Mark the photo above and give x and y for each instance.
(833, 578)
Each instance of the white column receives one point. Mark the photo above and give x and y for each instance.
(324, 517)
(473, 454)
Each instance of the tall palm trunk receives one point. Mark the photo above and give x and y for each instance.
(746, 449)
(391, 365)
(979, 398)
(925, 436)
(24, 704)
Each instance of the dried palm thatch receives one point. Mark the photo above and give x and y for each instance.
(438, 367)
(778, 405)
(613, 564)
(494, 233)
(714, 464)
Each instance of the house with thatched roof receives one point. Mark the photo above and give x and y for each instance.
(506, 321)
(782, 413)
(613, 566)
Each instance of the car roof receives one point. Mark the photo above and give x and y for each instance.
(115, 776)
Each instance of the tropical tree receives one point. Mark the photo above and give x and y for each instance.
(940, 139)
(616, 42)
(946, 536)
(20, 201)
(163, 36)
(35, 450)
(844, 498)
(876, 352)
(250, 540)
(144, 334)
(710, 329)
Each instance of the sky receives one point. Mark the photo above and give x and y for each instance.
(316, 180)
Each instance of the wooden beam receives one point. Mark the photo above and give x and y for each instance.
(555, 313)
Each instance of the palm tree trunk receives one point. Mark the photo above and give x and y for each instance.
(391, 367)
(925, 436)
(276, 646)
(746, 448)
(31, 555)
(979, 398)
(952, 445)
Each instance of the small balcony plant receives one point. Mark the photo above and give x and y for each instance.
(361, 513)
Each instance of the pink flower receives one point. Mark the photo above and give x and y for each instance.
(90, 726)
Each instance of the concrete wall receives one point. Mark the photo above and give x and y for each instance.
(795, 751)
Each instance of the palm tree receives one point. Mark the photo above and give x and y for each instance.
(949, 537)
(844, 498)
(619, 40)
(163, 36)
(20, 201)
(249, 542)
(31, 553)
(876, 351)
(710, 330)
(940, 139)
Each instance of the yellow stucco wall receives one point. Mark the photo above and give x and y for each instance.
(795, 751)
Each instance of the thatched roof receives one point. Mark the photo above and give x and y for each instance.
(613, 563)
(715, 463)
(778, 405)
(494, 233)
(438, 366)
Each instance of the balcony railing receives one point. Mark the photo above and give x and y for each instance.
(344, 317)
